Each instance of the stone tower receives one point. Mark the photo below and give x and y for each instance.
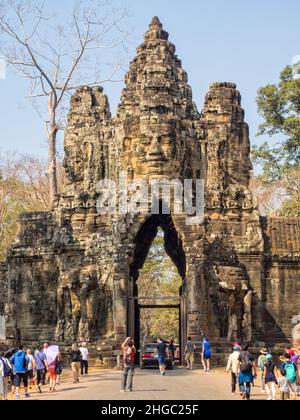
(73, 272)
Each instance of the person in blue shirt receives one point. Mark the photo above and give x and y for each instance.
(206, 354)
(20, 362)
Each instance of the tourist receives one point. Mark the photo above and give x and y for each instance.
(20, 362)
(75, 356)
(206, 354)
(52, 358)
(270, 377)
(84, 359)
(5, 372)
(162, 355)
(232, 366)
(8, 355)
(189, 354)
(262, 360)
(284, 386)
(290, 370)
(247, 372)
(30, 369)
(129, 352)
(171, 349)
(58, 369)
(41, 367)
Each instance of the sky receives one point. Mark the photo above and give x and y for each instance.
(248, 43)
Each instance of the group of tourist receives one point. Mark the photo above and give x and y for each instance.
(38, 368)
(205, 355)
(244, 370)
(163, 349)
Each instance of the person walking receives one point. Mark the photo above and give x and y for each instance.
(30, 369)
(41, 367)
(189, 354)
(52, 365)
(5, 372)
(75, 357)
(206, 354)
(246, 371)
(270, 377)
(84, 359)
(7, 356)
(129, 352)
(290, 370)
(20, 362)
(161, 351)
(284, 386)
(232, 366)
(171, 349)
(262, 361)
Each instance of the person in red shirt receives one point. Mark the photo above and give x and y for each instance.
(129, 352)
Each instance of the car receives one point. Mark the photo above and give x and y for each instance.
(149, 358)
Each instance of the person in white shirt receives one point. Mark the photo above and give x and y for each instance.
(232, 366)
(84, 359)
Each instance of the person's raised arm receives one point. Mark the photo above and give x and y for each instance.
(126, 341)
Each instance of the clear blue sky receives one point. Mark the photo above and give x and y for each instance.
(248, 43)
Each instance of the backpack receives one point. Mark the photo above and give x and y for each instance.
(246, 363)
(58, 367)
(262, 361)
(291, 373)
(6, 369)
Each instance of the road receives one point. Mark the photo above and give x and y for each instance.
(148, 385)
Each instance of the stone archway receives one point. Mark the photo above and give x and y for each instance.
(174, 249)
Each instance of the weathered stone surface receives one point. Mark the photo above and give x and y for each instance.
(73, 272)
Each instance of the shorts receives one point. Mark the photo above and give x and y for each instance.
(206, 356)
(162, 360)
(52, 373)
(190, 357)
(21, 377)
(30, 374)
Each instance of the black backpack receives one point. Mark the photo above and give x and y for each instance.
(246, 362)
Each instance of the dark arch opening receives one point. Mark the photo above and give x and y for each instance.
(174, 249)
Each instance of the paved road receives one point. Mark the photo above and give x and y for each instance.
(148, 385)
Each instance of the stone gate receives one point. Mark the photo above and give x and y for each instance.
(72, 274)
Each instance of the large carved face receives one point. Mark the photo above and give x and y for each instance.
(151, 150)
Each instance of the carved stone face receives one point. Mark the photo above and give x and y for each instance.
(151, 151)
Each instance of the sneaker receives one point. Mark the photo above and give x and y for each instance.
(123, 390)
(129, 390)
(263, 391)
(18, 396)
(27, 395)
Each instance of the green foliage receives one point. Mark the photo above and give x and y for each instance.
(159, 277)
(279, 106)
(23, 188)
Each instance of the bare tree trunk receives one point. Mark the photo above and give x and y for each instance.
(52, 135)
(52, 169)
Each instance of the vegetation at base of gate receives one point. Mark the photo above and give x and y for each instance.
(159, 277)
(278, 187)
(23, 188)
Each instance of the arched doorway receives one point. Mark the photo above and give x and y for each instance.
(135, 302)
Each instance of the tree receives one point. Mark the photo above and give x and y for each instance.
(159, 277)
(54, 58)
(279, 106)
(23, 188)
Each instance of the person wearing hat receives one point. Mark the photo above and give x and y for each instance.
(262, 361)
(232, 366)
(270, 377)
(84, 364)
